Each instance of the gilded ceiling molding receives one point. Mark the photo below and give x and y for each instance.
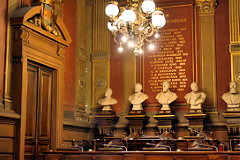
(206, 6)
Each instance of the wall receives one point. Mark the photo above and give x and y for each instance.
(69, 18)
(116, 76)
(77, 80)
(222, 52)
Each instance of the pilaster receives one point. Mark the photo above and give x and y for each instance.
(83, 61)
(234, 46)
(206, 10)
(7, 100)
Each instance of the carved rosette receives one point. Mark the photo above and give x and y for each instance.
(206, 7)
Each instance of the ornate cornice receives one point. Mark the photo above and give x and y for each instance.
(206, 7)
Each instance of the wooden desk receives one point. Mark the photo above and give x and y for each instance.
(142, 155)
(138, 144)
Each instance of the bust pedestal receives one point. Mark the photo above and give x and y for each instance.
(137, 122)
(196, 122)
(106, 124)
(233, 122)
(233, 126)
(164, 122)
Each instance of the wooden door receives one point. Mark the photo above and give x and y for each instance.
(39, 111)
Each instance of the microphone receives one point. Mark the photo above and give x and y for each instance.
(205, 145)
(159, 145)
(115, 146)
(75, 146)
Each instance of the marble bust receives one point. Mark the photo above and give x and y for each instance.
(138, 98)
(107, 101)
(232, 98)
(166, 96)
(195, 98)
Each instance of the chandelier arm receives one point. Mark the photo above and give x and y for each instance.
(150, 40)
(115, 38)
(123, 33)
(146, 36)
(121, 30)
(145, 26)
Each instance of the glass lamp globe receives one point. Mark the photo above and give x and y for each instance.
(148, 6)
(112, 10)
(128, 15)
(112, 27)
(158, 19)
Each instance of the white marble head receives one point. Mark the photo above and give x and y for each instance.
(138, 87)
(166, 86)
(108, 92)
(233, 87)
(194, 87)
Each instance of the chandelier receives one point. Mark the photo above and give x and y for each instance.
(137, 22)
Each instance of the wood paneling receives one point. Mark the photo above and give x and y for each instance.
(154, 157)
(7, 145)
(191, 157)
(77, 157)
(138, 155)
(134, 157)
(217, 157)
(7, 130)
(7, 139)
(235, 157)
(108, 157)
(6, 157)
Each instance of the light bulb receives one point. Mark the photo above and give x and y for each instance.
(120, 49)
(130, 44)
(112, 10)
(124, 39)
(151, 46)
(148, 6)
(140, 51)
(156, 35)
